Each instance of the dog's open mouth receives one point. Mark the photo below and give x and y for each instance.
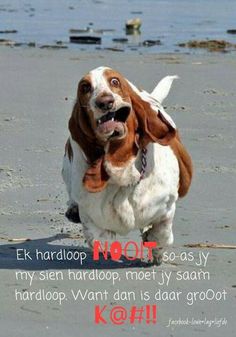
(112, 124)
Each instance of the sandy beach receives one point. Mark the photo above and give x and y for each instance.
(38, 88)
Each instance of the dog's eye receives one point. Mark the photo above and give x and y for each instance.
(85, 88)
(115, 82)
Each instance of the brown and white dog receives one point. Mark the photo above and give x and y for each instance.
(124, 165)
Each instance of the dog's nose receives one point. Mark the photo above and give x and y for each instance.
(105, 102)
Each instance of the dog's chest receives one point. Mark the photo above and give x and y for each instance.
(123, 208)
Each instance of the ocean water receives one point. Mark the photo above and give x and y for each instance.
(171, 21)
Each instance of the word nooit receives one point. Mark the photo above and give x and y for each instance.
(131, 250)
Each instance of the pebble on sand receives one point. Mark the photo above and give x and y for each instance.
(8, 31)
(5, 42)
(120, 40)
(150, 43)
(231, 31)
(85, 39)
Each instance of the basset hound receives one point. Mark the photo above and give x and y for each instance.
(124, 165)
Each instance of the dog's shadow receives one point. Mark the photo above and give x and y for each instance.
(10, 260)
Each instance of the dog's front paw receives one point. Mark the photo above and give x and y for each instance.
(72, 214)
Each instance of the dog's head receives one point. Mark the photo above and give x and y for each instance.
(103, 97)
(110, 118)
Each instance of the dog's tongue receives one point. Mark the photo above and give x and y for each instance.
(108, 126)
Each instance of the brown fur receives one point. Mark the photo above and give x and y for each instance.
(151, 127)
(95, 178)
(185, 165)
(121, 151)
(143, 125)
(156, 129)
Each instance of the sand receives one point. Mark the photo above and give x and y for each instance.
(37, 92)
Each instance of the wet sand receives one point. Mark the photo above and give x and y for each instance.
(37, 92)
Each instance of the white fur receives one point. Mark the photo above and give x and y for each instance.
(127, 203)
(162, 89)
(123, 176)
(100, 85)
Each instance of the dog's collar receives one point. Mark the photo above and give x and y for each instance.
(143, 163)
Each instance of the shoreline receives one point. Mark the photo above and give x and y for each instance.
(164, 21)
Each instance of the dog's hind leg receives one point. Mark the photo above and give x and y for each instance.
(72, 212)
(92, 233)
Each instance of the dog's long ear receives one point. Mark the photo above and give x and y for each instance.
(81, 131)
(95, 178)
(153, 126)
